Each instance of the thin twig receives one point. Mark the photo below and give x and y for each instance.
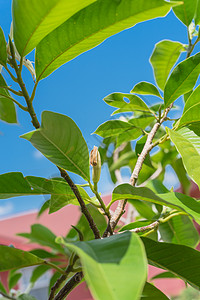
(74, 281)
(15, 101)
(7, 296)
(11, 90)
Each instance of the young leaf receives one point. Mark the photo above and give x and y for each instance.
(191, 112)
(7, 107)
(179, 230)
(150, 292)
(98, 21)
(38, 272)
(2, 288)
(164, 275)
(118, 100)
(3, 51)
(31, 23)
(182, 79)
(187, 142)
(12, 258)
(163, 58)
(103, 261)
(186, 11)
(43, 236)
(13, 279)
(145, 88)
(175, 200)
(112, 128)
(61, 141)
(178, 259)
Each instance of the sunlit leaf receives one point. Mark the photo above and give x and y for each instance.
(150, 292)
(3, 52)
(145, 88)
(186, 11)
(7, 107)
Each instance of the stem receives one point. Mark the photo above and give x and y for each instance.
(55, 267)
(13, 91)
(7, 296)
(84, 209)
(11, 75)
(16, 102)
(103, 206)
(69, 286)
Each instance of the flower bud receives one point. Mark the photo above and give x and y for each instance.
(95, 161)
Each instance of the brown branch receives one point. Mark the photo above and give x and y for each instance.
(147, 148)
(7, 296)
(69, 286)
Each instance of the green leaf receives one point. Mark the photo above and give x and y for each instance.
(84, 227)
(118, 100)
(179, 230)
(103, 261)
(26, 297)
(2, 288)
(112, 128)
(61, 141)
(180, 171)
(43, 236)
(43, 208)
(137, 224)
(12, 258)
(178, 259)
(31, 23)
(145, 88)
(187, 142)
(150, 292)
(182, 79)
(191, 110)
(38, 272)
(186, 11)
(175, 200)
(164, 275)
(13, 279)
(143, 208)
(7, 107)
(97, 22)
(3, 51)
(197, 13)
(42, 253)
(163, 58)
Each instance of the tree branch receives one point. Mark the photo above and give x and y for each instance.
(7, 296)
(73, 281)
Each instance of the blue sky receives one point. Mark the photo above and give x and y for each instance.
(77, 90)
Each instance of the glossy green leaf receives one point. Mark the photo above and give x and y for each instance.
(12, 258)
(84, 227)
(175, 200)
(132, 104)
(197, 13)
(142, 121)
(180, 171)
(186, 11)
(38, 272)
(145, 88)
(164, 275)
(187, 142)
(179, 230)
(7, 107)
(182, 79)
(31, 23)
(191, 110)
(97, 22)
(103, 261)
(43, 208)
(143, 208)
(61, 141)
(3, 51)
(112, 128)
(26, 297)
(42, 253)
(187, 95)
(150, 292)
(181, 260)
(43, 236)
(163, 58)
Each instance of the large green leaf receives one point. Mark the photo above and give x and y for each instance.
(150, 292)
(186, 11)
(179, 230)
(191, 111)
(187, 142)
(14, 184)
(175, 200)
(145, 88)
(163, 58)
(43, 236)
(181, 260)
(112, 128)
(12, 258)
(91, 26)
(7, 107)
(197, 13)
(32, 22)
(61, 141)
(115, 267)
(182, 79)
(3, 51)
(134, 103)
